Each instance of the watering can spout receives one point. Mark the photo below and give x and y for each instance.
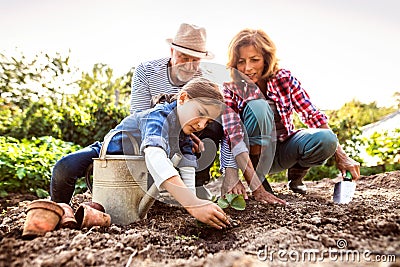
(147, 201)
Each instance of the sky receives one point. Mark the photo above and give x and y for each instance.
(340, 50)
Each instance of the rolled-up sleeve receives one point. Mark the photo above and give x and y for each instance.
(309, 113)
(159, 165)
(233, 142)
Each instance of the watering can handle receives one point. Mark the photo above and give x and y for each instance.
(108, 138)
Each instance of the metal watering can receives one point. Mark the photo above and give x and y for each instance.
(120, 184)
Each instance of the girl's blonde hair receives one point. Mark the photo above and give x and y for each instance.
(262, 42)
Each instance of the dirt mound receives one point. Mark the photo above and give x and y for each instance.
(310, 229)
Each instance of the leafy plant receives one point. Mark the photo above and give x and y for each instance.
(385, 145)
(46, 96)
(25, 165)
(24, 80)
(235, 201)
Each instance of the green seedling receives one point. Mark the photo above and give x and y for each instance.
(192, 237)
(235, 201)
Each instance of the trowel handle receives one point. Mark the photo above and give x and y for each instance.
(348, 176)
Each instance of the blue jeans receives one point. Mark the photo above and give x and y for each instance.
(307, 147)
(68, 169)
(73, 166)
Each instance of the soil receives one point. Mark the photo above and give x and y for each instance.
(325, 233)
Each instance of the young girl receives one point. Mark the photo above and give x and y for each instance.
(163, 132)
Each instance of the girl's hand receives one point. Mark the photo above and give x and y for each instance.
(209, 213)
(203, 210)
(198, 145)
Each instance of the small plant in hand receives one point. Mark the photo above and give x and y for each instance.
(234, 201)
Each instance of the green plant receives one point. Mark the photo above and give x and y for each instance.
(235, 201)
(45, 96)
(215, 168)
(184, 237)
(25, 165)
(24, 80)
(385, 145)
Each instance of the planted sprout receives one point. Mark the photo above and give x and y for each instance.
(235, 201)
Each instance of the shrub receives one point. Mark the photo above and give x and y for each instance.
(385, 145)
(25, 165)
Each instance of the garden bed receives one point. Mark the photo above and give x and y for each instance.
(266, 235)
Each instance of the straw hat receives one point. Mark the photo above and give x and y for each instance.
(191, 40)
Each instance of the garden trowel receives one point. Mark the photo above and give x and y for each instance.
(344, 190)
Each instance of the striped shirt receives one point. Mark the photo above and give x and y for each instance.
(151, 78)
(285, 90)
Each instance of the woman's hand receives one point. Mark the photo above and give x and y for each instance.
(209, 213)
(345, 163)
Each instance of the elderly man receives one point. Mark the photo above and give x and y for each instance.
(166, 76)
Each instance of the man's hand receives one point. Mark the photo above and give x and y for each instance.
(231, 183)
(198, 145)
(263, 196)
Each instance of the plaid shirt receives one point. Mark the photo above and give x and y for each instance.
(288, 95)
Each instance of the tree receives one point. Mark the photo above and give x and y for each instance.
(101, 103)
(348, 120)
(25, 80)
(361, 113)
(41, 97)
